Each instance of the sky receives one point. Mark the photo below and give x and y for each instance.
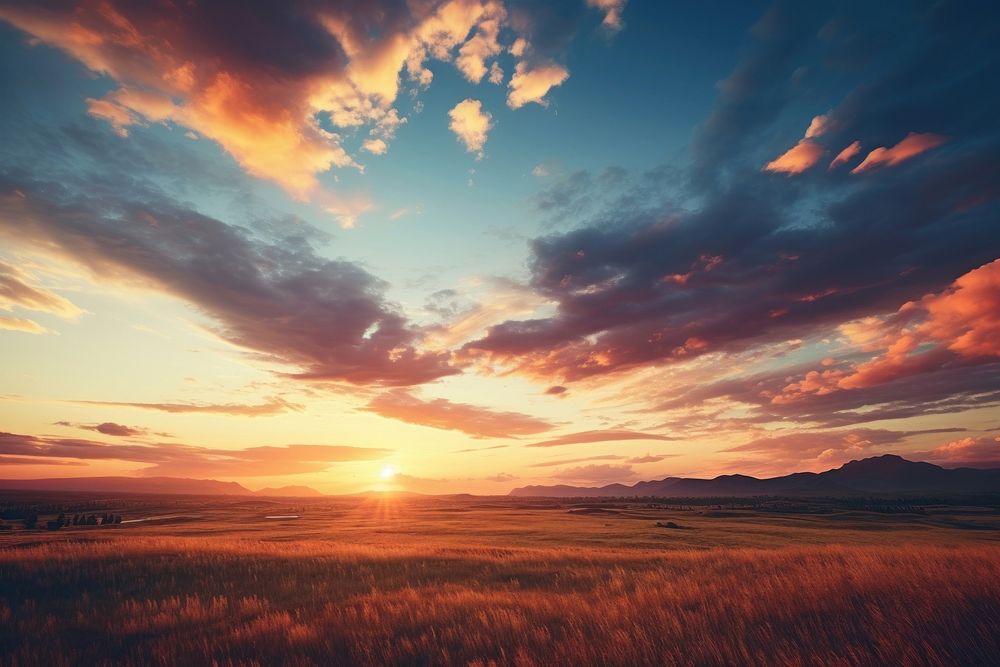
(471, 245)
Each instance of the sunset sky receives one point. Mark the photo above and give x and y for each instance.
(487, 244)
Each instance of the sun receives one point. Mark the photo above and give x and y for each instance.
(388, 473)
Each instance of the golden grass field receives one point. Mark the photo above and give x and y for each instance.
(480, 581)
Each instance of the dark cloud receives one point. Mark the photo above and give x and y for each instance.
(947, 390)
(477, 421)
(188, 460)
(280, 300)
(34, 461)
(479, 449)
(754, 258)
(111, 428)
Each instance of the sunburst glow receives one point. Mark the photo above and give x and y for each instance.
(387, 473)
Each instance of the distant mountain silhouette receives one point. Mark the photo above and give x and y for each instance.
(296, 491)
(155, 485)
(878, 474)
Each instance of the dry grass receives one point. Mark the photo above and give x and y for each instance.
(172, 600)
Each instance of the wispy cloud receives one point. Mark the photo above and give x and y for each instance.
(188, 460)
(585, 437)
(477, 421)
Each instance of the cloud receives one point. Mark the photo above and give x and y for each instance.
(21, 324)
(271, 406)
(968, 451)
(913, 145)
(111, 428)
(804, 154)
(190, 460)
(479, 449)
(846, 155)
(598, 474)
(479, 422)
(463, 321)
(560, 462)
(797, 159)
(34, 461)
(276, 298)
(531, 83)
(257, 79)
(483, 45)
(820, 450)
(633, 287)
(471, 125)
(15, 291)
(649, 458)
(817, 127)
(585, 437)
(375, 146)
(612, 13)
(960, 325)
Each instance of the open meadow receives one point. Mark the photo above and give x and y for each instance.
(464, 580)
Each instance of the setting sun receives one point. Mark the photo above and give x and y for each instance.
(388, 473)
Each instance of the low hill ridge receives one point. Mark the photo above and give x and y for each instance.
(888, 473)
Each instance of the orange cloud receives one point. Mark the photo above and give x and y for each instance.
(471, 125)
(15, 290)
(960, 323)
(913, 145)
(21, 324)
(846, 154)
(258, 82)
(797, 159)
(966, 317)
(804, 154)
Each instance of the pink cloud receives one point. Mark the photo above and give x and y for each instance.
(845, 155)
(913, 145)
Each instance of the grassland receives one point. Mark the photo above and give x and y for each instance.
(468, 581)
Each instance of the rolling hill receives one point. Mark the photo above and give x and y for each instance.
(877, 475)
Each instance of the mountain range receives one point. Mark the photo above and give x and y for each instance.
(154, 485)
(876, 475)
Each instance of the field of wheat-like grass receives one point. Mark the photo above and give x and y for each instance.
(164, 600)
